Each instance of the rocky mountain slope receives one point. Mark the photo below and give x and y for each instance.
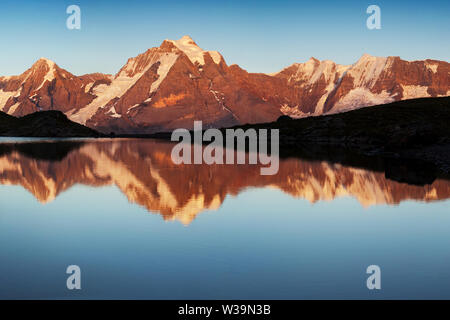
(172, 85)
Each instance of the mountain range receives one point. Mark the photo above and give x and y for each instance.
(172, 85)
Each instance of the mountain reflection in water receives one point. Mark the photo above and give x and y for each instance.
(144, 172)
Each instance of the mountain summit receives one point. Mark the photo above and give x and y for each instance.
(172, 85)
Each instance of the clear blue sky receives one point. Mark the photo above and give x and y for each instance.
(260, 36)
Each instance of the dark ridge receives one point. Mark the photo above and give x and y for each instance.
(51, 124)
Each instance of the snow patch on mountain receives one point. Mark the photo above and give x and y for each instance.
(104, 94)
(50, 75)
(4, 97)
(132, 107)
(167, 60)
(193, 51)
(113, 113)
(312, 71)
(121, 84)
(367, 70)
(215, 56)
(431, 66)
(88, 87)
(321, 103)
(326, 68)
(13, 108)
(412, 92)
(361, 97)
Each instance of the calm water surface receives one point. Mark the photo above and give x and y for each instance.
(141, 227)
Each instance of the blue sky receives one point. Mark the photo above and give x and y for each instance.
(260, 36)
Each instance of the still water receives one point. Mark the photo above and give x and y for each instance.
(141, 227)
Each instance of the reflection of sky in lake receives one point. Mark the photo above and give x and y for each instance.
(261, 243)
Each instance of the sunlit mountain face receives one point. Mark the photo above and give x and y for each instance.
(143, 170)
(165, 87)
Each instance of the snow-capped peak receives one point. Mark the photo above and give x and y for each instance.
(367, 69)
(366, 56)
(193, 51)
(313, 70)
(50, 70)
(45, 61)
(312, 60)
